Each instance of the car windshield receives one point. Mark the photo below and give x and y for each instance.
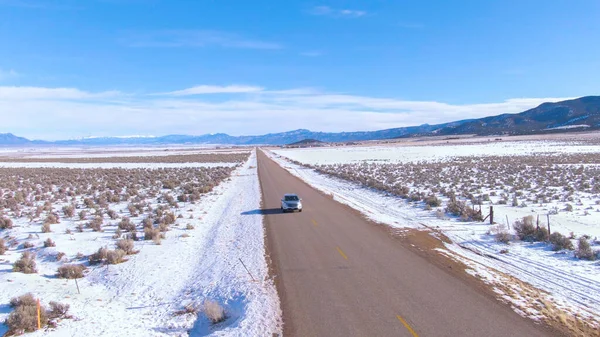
(291, 198)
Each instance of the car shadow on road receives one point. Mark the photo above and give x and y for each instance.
(267, 211)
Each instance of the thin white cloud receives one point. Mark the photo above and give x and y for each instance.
(40, 93)
(7, 74)
(59, 113)
(195, 39)
(333, 12)
(213, 89)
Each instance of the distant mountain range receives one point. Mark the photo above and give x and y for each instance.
(572, 115)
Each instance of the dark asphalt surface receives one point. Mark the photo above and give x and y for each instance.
(339, 275)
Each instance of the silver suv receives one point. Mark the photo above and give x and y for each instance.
(291, 202)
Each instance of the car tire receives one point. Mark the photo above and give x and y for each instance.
(300, 210)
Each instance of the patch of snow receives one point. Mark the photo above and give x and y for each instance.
(139, 297)
(565, 127)
(405, 154)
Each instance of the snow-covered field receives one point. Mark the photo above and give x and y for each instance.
(207, 246)
(571, 284)
(111, 165)
(405, 154)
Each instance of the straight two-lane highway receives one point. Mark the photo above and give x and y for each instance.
(339, 275)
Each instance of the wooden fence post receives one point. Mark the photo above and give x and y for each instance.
(39, 314)
(548, 216)
(507, 223)
(491, 215)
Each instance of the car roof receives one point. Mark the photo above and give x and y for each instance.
(290, 195)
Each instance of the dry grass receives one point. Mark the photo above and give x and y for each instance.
(213, 311)
(187, 310)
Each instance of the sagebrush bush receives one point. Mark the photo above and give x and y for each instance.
(115, 256)
(584, 250)
(503, 237)
(25, 264)
(433, 201)
(112, 214)
(49, 243)
(126, 225)
(525, 228)
(455, 207)
(541, 234)
(51, 219)
(22, 300)
(69, 211)
(71, 271)
(98, 256)
(560, 242)
(213, 311)
(2, 246)
(126, 245)
(58, 310)
(151, 233)
(24, 318)
(46, 228)
(60, 255)
(96, 224)
(6, 223)
(27, 245)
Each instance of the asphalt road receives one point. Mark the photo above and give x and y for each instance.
(339, 275)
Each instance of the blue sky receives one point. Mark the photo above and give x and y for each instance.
(152, 67)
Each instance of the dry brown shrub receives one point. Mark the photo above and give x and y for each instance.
(27, 245)
(115, 256)
(3, 248)
(126, 225)
(98, 256)
(560, 242)
(96, 224)
(24, 318)
(584, 250)
(68, 211)
(25, 264)
(6, 223)
(58, 310)
(71, 271)
(126, 245)
(60, 256)
(49, 243)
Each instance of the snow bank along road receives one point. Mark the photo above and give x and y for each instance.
(339, 275)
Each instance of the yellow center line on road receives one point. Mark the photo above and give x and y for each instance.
(341, 253)
(314, 223)
(407, 326)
